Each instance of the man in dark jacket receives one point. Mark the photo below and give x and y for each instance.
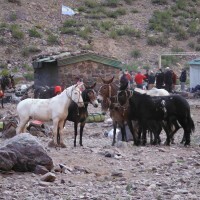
(183, 79)
(159, 79)
(168, 79)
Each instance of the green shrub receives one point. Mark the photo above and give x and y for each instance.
(30, 50)
(191, 45)
(162, 21)
(34, 33)
(3, 25)
(13, 16)
(16, 32)
(91, 3)
(106, 25)
(4, 72)
(181, 34)
(27, 67)
(52, 39)
(70, 30)
(2, 41)
(129, 2)
(193, 28)
(160, 2)
(15, 70)
(120, 11)
(134, 10)
(70, 23)
(181, 4)
(136, 53)
(151, 40)
(111, 3)
(168, 61)
(29, 76)
(3, 66)
(113, 34)
(82, 9)
(84, 33)
(112, 14)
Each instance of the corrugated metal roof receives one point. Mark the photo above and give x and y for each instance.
(89, 56)
(195, 62)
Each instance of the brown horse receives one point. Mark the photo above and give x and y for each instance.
(79, 115)
(108, 96)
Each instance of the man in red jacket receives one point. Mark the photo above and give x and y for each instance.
(139, 78)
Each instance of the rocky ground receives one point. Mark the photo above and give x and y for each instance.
(100, 171)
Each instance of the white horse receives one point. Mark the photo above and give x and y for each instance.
(55, 109)
(153, 92)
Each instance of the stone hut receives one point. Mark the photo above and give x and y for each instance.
(64, 69)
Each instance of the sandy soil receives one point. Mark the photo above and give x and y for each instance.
(100, 171)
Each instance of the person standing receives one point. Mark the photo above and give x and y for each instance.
(160, 79)
(183, 79)
(139, 79)
(168, 79)
(123, 80)
(151, 80)
(146, 79)
(174, 78)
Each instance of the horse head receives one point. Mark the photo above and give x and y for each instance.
(123, 97)
(106, 92)
(76, 94)
(123, 86)
(108, 81)
(89, 95)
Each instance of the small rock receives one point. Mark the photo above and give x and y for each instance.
(48, 177)
(39, 169)
(118, 174)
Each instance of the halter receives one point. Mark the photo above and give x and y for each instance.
(70, 96)
(86, 95)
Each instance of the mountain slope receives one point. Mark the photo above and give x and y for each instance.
(116, 28)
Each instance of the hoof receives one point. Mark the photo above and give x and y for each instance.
(52, 144)
(62, 145)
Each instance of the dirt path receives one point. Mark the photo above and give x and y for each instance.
(99, 171)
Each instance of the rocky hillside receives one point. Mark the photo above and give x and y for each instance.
(133, 31)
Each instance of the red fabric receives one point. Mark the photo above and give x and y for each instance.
(57, 89)
(174, 77)
(1, 94)
(36, 122)
(139, 78)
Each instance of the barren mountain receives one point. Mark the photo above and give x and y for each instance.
(135, 32)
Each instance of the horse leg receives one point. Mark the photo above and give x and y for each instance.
(135, 138)
(81, 133)
(187, 131)
(61, 124)
(114, 133)
(54, 142)
(123, 131)
(21, 126)
(75, 132)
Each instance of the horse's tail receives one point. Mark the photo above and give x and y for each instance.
(191, 124)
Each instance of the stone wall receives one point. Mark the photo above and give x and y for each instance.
(89, 71)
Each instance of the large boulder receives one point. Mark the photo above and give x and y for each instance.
(23, 153)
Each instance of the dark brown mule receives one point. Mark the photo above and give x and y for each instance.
(6, 81)
(108, 95)
(79, 115)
